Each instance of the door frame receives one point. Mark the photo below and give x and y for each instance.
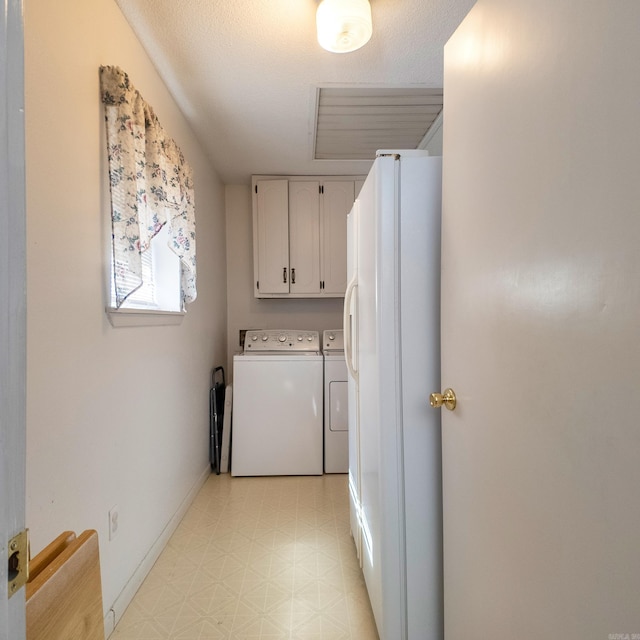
(13, 314)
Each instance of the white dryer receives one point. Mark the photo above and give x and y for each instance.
(336, 423)
(277, 404)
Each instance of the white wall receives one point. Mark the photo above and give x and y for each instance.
(247, 312)
(114, 416)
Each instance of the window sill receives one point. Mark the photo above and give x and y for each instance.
(143, 317)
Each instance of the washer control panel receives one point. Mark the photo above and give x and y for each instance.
(280, 340)
(332, 340)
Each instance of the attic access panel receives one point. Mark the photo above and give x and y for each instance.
(352, 123)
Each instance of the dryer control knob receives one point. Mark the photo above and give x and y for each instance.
(299, 338)
(265, 338)
(254, 337)
(310, 338)
(282, 337)
(332, 336)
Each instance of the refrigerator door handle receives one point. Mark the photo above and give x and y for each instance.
(347, 327)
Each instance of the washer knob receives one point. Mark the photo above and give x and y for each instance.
(282, 337)
(310, 338)
(332, 336)
(265, 338)
(254, 337)
(299, 338)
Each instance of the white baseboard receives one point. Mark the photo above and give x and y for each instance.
(126, 595)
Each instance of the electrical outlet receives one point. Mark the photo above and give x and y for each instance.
(113, 522)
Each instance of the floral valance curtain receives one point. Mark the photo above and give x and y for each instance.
(151, 185)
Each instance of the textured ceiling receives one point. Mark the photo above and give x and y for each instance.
(246, 72)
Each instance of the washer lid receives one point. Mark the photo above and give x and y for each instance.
(280, 356)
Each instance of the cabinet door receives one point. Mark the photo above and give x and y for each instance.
(337, 201)
(272, 236)
(304, 237)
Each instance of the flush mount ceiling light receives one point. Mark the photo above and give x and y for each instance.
(343, 25)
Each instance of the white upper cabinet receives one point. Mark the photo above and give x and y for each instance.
(337, 200)
(271, 236)
(304, 237)
(300, 235)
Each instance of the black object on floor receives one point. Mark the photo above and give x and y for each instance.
(216, 414)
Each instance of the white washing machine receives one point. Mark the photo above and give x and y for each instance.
(277, 405)
(336, 423)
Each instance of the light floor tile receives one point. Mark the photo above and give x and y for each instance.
(257, 559)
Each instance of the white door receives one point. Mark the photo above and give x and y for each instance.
(541, 321)
(304, 237)
(12, 309)
(271, 236)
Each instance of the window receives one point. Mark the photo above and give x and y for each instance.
(153, 263)
(160, 289)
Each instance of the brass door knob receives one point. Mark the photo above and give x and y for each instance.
(448, 399)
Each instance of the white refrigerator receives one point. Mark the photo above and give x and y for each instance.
(392, 347)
